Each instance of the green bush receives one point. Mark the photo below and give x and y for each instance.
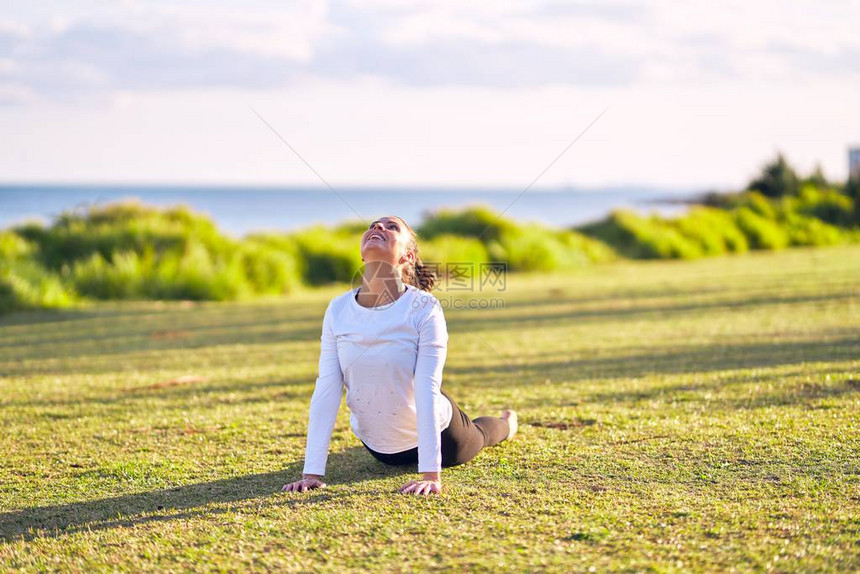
(532, 247)
(351, 228)
(326, 256)
(25, 284)
(280, 242)
(715, 231)
(449, 248)
(761, 232)
(480, 222)
(758, 204)
(270, 270)
(123, 227)
(643, 237)
(192, 274)
(529, 248)
(33, 232)
(827, 205)
(591, 250)
(196, 274)
(122, 277)
(810, 231)
(14, 246)
(127, 250)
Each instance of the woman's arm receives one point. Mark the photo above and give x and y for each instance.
(325, 404)
(432, 352)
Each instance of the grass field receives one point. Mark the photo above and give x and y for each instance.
(675, 416)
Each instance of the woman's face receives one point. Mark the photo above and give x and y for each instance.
(386, 239)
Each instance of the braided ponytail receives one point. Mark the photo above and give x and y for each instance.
(423, 276)
(418, 274)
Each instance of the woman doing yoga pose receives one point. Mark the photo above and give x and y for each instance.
(386, 342)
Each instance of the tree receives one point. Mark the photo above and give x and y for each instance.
(852, 190)
(817, 178)
(777, 178)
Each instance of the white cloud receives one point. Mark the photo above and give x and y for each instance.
(161, 47)
(430, 92)
(15, 94)
(289, 33)
(133, 46)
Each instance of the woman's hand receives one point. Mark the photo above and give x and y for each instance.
(431, 483)
(308, 482)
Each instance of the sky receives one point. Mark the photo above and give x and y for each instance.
(686, 95)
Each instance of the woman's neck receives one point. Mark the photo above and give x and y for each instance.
(379, 286)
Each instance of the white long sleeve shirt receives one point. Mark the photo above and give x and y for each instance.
(389, 359)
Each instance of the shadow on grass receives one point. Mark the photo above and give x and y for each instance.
(206, 394)
(286, 326)
(509, 320)
(40, 316)
(775, 390)
(641, 361)
(114, 310)
(560, 296)
(350, 466)
(167, 337)
(767, 390)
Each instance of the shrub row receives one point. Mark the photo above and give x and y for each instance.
(24, 282)
(128, 250)
(480, 234)
(748, 220)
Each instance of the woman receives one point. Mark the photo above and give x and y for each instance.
(386, 342)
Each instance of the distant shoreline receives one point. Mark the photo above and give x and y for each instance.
(699, 198)
(241, 210)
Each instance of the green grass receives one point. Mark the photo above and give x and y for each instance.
(676, 416)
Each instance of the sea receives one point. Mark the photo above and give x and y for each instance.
(241, 210)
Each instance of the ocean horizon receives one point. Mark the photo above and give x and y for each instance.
(238, 210)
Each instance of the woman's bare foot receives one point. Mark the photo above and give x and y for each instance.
(511, 417)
